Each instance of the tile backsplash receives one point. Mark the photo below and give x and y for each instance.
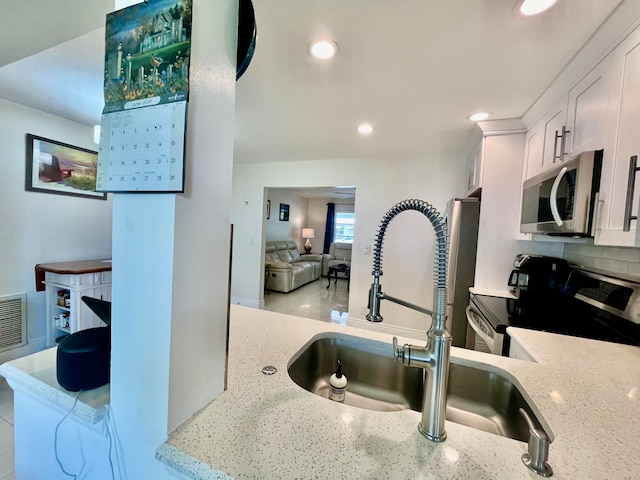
(611, 259)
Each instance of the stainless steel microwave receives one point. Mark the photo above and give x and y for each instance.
(562, 200)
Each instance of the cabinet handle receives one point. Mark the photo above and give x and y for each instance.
(563, 142)
(598, 203)
(633, 169)
(563, 137)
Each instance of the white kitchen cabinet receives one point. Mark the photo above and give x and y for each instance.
(65, 283)
(573, 125)
(544, 139)
(622, 141)
(474, 171)
(588, 101)
(534, 143)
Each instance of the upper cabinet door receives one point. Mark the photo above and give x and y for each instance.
(620, 187)
(555, 135)
(474, 171)
(544, 140)
(534, 143)
(588, 102)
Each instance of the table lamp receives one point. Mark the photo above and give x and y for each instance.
(308, 233)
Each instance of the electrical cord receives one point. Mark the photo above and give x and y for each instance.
(108, 426)
(55, 439)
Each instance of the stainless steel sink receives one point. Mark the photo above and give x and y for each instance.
(476, 397)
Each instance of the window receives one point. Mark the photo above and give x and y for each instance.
(343, 227)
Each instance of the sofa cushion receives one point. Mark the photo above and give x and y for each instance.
(287, 269)
(338, 253)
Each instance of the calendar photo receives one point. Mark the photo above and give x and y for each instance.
(147, 52)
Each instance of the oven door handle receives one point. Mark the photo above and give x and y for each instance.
(554, 197)
(470, 318)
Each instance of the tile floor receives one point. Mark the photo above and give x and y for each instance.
(313, 300)
(6, 431)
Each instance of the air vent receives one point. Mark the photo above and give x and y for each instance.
(13, 321)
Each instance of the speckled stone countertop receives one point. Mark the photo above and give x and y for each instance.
(267, 427)
(36, 373)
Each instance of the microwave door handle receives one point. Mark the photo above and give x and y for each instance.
(554, 197)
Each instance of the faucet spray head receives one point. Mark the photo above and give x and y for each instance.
(374, 303)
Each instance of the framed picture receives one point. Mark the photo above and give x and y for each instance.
(284, 212)
(268, 209)
(55, 167)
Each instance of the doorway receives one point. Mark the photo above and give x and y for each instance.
(307, 207)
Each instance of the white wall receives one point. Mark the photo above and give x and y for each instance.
(380, 183)
(291, 230)
(171, 264)
(42, 227)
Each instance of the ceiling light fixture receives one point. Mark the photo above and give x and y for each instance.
(365, 129)
(479, 116)
(323, 49)
(529, 8)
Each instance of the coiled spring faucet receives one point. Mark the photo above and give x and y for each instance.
(434, 357)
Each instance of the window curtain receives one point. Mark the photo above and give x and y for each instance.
(328, 229)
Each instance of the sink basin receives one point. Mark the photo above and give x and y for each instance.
(476, 397)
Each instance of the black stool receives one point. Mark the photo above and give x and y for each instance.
(84, 357)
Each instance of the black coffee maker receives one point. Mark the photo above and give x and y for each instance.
(535, 278)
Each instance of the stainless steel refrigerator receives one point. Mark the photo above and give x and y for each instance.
(462, 218)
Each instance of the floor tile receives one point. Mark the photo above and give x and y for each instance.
(6, 400)
(313, 300)
(7, 465)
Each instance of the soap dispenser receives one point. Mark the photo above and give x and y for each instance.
(338, 385)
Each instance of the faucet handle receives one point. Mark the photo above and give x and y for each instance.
(538, 449)
(398, 352)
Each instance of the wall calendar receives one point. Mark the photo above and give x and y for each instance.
(143, 126)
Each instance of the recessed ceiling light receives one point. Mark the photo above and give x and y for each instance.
(479, 116)
(529, 8)
(365, 129)
(323, 49)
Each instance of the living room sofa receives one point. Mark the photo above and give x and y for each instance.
(339, 253)
(286, 270)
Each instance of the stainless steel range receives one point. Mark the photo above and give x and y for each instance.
(567, 300)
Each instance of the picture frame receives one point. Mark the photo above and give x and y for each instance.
(268, 209)
(60, 168)
(284, 212)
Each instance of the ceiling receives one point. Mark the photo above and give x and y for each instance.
(320, 192)
(414, 69)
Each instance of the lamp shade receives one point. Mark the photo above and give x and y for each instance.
(308, 233)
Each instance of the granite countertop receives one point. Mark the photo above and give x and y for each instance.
(36, 374)
(268, 427)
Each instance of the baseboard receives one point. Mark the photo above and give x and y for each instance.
(33, 346)
(393, 330)
(247, 302)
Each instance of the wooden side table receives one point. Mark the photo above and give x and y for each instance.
(341, 268)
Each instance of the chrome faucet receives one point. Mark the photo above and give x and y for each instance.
(434, 357)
